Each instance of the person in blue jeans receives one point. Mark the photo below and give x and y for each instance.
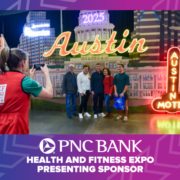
(97, 90)
(121, 84)
(108, 91)
(69, 90)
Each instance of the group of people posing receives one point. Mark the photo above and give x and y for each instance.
(16, 87)
(101, 85)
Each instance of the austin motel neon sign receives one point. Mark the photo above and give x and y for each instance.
(170, 102)
(96, 46)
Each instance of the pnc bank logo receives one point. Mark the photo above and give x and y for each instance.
(47, 146)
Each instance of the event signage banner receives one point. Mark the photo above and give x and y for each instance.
(90, 157)
(139, 146)
(96, 46)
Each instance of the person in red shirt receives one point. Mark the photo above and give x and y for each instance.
(108, 91)
(15, 90)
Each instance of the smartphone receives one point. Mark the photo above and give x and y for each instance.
(37, 66)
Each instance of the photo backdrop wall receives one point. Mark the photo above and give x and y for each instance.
(147, 71)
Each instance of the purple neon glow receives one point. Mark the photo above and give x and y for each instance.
(93, 18)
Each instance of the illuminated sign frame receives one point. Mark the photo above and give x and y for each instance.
(96, 46)
(32, 32)
(93, 18)
(34, 26)
(2, 43)
(166, 103)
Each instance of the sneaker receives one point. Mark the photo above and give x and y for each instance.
(75, 114)
(87, 114)
(118, 118)
(69, 117)
(95, 116)
(125, 119)
(101, 114)
(80, 116)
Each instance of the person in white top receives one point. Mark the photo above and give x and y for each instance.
(83, 83)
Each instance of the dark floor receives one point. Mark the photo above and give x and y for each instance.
(54, 122)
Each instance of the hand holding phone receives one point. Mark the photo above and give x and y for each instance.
(38, 66)
(45, 70)
(32, 73)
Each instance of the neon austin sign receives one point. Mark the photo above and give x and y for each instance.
(95, 48)
(170, 102)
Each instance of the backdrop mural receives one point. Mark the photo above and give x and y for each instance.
(147, 69)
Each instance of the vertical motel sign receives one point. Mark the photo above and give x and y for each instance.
(170, 102)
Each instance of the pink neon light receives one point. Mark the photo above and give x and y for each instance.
(167, 77)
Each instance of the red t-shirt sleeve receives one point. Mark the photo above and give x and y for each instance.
(112, 86)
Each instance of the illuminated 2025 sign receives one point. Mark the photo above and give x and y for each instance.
(95, 48)
(170, 102)
(93, 18)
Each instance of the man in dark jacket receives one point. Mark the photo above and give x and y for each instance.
(97, 89)
(69, 90)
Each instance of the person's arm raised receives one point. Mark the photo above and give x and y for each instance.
(48, 91)
(32, 73)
